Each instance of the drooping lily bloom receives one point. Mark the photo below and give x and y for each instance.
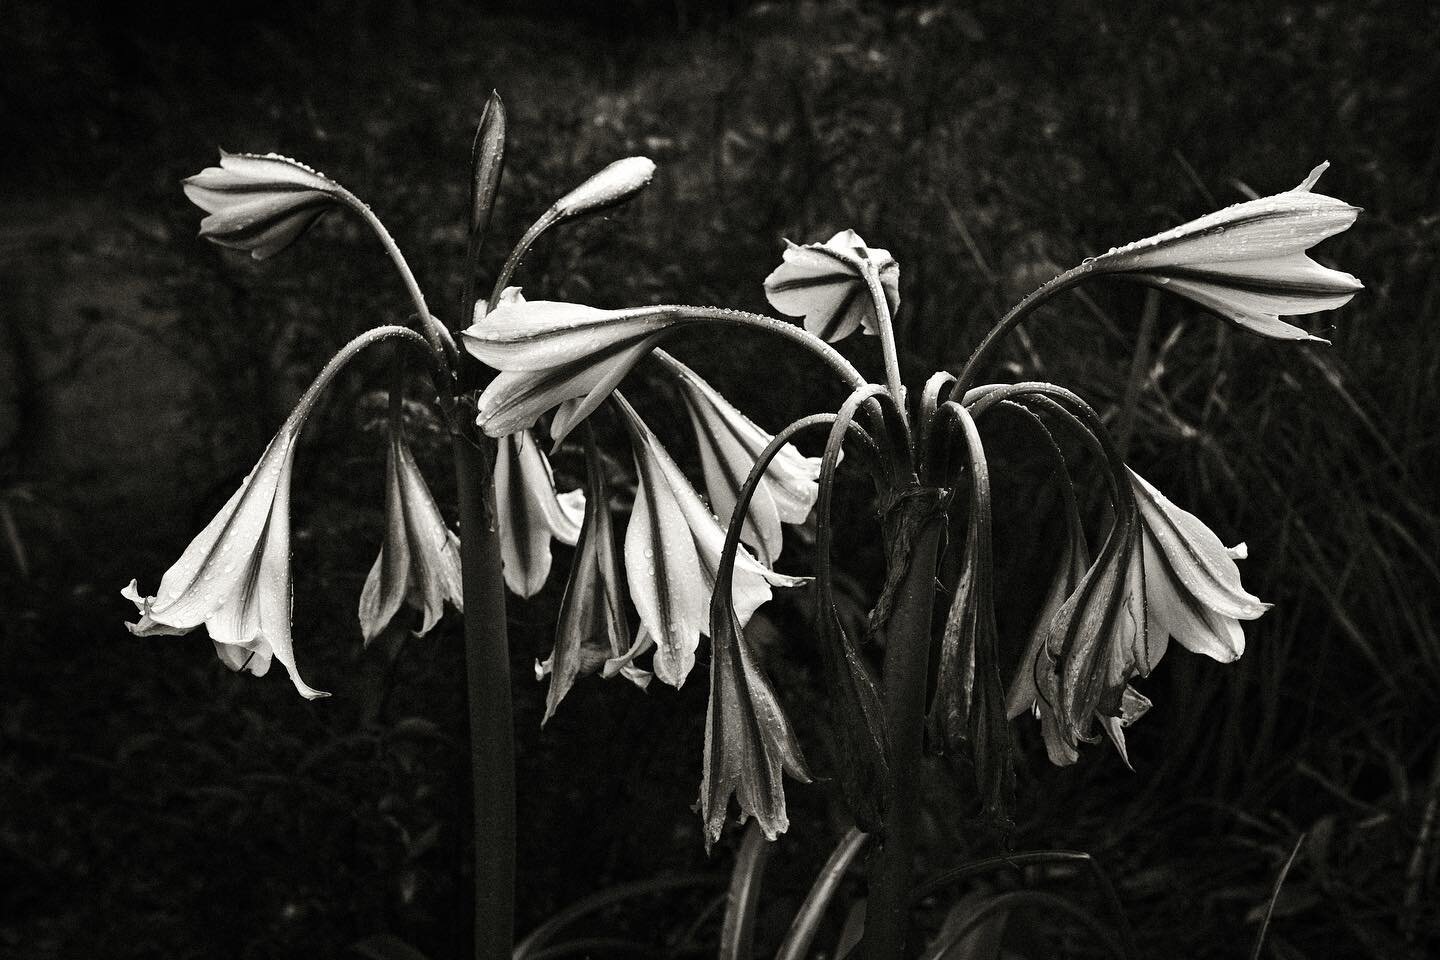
(825, 283)
(593, 628)
(729, 444)
(549, 352)
(1247, 262)
(529, 512)
(1094, 645)
(419, 561)
(235, 576)
(749, 743)
(260, 203)
(672, 552)
(1192, 585)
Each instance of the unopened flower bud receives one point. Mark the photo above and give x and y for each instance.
(614, 185)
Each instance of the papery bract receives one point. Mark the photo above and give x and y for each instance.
(1247, 262)
(672, 552)
(729, 442)
(260, 203)
(419, 561)
(825, 283)
(530, 513)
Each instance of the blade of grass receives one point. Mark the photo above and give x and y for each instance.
(1274, 896)
(1006, 902)
(737, 936)
(1019, 860)
(542, 935)
(812, 911)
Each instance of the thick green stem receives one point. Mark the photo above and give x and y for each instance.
(907, 654)
(487, 683)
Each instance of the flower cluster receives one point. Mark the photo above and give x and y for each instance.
(694, 565)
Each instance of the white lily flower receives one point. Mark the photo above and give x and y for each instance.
(593, 628)
(729, 444)
(235, 576)
(672, 553)
(549, 352)
(1247, 262)
(825, 283)
(1192, 585)
(419, 561)
(260, 203)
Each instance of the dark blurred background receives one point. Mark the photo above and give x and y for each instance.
(154, 804)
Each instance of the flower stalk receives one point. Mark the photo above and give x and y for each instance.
(487, 685)
(906, 665)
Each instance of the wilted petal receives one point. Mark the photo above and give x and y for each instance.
(729, 445)
(1133, 706)
(530, 513)
(419, 561)
(1068, 574)
(968, 708)
(260, 203)
(1095, 644)
(1248, 262)
(825, 284)
(748, 740)
(592, 629)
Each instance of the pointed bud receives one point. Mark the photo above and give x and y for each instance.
(610, 187)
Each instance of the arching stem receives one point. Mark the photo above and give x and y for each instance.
(885, 326)
(1012, 320)
(435, 333)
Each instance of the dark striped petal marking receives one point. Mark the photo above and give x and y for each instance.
(824, 284)
(1247, 262)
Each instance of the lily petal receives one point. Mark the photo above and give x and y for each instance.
(530, 513)
(825, 284)
(419, 560)
(234, 577)
(1247, 262)
(729, 444)
(592, 629)
(672, 553)
(748, 740)
(260, 203)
